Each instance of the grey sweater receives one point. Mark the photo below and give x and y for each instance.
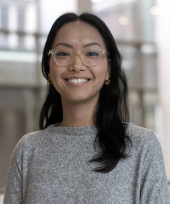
(51, 167)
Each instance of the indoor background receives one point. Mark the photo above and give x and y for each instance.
(141, 29)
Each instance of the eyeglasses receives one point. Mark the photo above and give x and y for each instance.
(89, 57)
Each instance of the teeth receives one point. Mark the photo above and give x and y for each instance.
(76, 81)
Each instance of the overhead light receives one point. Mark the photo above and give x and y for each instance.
(154, 10)
(123, 20)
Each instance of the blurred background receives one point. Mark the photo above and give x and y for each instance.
(142, 33)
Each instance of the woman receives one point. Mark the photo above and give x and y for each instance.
(86, 151)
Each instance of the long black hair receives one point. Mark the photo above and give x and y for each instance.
(111, 114)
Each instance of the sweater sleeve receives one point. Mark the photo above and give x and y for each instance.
(154, 185)
(14, 190)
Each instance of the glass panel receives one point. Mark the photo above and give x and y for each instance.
(135, 107)
(42, 41)
(18, 71)
(130, 64)
(149, 60)
(150, 102)
(21, 42)
(13, 41)
(120, 16)
(17, 117)
(30, 42)
(21, 18)
(4, 16)
(50, 10)
(3, 41)
(147, 20)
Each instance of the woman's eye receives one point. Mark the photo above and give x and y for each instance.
(92, 54)
(63, 54)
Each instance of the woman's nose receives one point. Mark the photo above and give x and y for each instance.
(77, 64)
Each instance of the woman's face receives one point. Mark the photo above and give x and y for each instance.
(76, 35)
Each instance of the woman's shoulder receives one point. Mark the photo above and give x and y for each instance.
(38, 135)
(136, 132)
(146, 158)
(140, 134)
(33, 136)
(33, 139)
(143, 140)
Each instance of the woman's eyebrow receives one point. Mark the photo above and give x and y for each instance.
(90, 44)
(65, 44)
(70, 46)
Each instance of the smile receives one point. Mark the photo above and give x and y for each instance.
(77, 81)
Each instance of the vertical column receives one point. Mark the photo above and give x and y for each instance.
(139, 40)
(38, 65)
(84, 5)
(163, 39)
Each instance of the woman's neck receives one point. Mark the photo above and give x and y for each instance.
(77, 114)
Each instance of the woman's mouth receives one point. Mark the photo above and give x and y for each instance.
(77, 81)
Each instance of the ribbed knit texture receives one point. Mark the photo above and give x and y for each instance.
(51, 167)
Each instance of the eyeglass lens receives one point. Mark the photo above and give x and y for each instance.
(64, 57)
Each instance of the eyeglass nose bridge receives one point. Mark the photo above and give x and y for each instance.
(79, 53)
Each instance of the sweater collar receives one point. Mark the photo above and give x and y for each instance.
(72, 131)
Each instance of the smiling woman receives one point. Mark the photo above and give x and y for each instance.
(78, 52)
(84, 122)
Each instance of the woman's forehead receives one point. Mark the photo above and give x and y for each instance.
(79, 32)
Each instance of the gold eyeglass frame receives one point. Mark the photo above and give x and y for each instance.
(102, 52)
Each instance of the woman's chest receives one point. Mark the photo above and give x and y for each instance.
(63, 178)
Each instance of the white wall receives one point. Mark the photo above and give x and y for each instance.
(50, 10)
(163, 42)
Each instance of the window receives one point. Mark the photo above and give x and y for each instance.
(21, 18)
(4, 16)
